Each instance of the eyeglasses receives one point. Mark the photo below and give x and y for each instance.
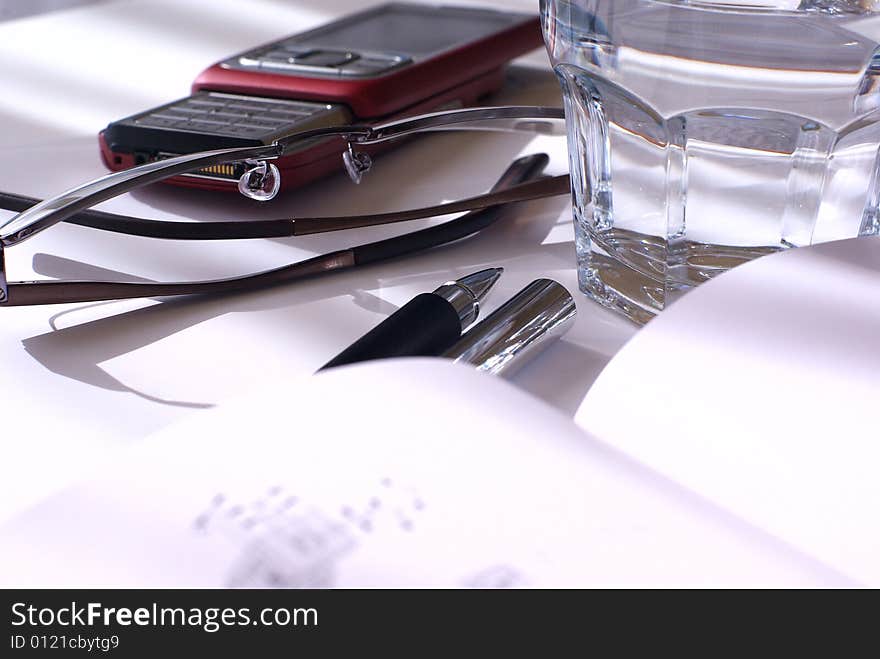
(261, 180)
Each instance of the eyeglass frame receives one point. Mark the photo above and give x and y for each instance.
(262, 182)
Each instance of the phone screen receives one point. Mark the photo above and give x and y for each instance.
(411, 30)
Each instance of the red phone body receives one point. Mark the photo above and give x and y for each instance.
(360, 83)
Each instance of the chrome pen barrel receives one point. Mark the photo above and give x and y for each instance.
(519, 330)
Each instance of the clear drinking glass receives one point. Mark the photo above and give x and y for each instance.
(704, 134)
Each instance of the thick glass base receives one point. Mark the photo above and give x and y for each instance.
(644, 284)
(620, 288)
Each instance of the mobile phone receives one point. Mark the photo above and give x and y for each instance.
(386, 62)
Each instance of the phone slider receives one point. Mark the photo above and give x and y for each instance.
(323, 62)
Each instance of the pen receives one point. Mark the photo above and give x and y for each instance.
(518, 331)
(425, 326)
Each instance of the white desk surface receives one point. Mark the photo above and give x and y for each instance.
(78, 383)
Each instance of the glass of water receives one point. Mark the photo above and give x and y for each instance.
(705, 134)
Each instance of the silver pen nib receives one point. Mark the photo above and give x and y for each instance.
(480, 282)
(465, 294)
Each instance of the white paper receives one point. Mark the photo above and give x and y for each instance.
(759, 390)
(401, 473)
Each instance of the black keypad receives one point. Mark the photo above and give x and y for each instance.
(230, 115)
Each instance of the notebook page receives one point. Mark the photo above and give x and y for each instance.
(759, 390)
(403, 473)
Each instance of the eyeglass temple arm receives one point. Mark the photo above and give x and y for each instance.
(55, 292)
(288, 227)
(549, 186)
(52, 211)
(531, 118)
